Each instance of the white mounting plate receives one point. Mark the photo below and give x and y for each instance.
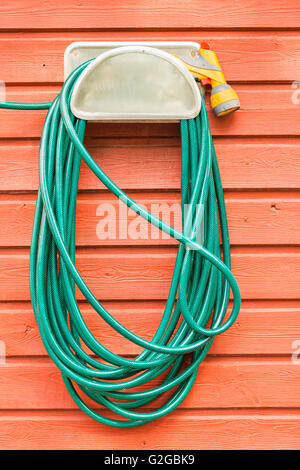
(133, 81)
(79, 52)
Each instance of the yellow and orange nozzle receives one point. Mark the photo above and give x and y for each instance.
(206, 68)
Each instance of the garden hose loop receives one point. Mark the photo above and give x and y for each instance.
(198, 298)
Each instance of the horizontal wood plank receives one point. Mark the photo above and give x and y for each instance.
(244, 56)
(254, 218)
(145, 273)
(244, 163)
(206, 430)
(220, 383)
(148, 14)
(264, 111)
(262, 327)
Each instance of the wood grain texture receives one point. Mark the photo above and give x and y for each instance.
(207, 429)
(245, 396)
(267, 327)
(145, 273)
(149, 14)
(230, 382)
(264, 112)
(252, 163)
(254, 218)
(245, 56)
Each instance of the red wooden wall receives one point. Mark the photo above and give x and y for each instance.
(247, 391)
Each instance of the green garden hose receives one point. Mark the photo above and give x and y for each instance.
(199, 293)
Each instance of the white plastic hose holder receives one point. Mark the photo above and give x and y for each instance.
(133, 82)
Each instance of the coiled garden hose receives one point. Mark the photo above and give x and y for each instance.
(199, 293)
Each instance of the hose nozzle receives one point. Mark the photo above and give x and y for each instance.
(224, 99)
(206, 68)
